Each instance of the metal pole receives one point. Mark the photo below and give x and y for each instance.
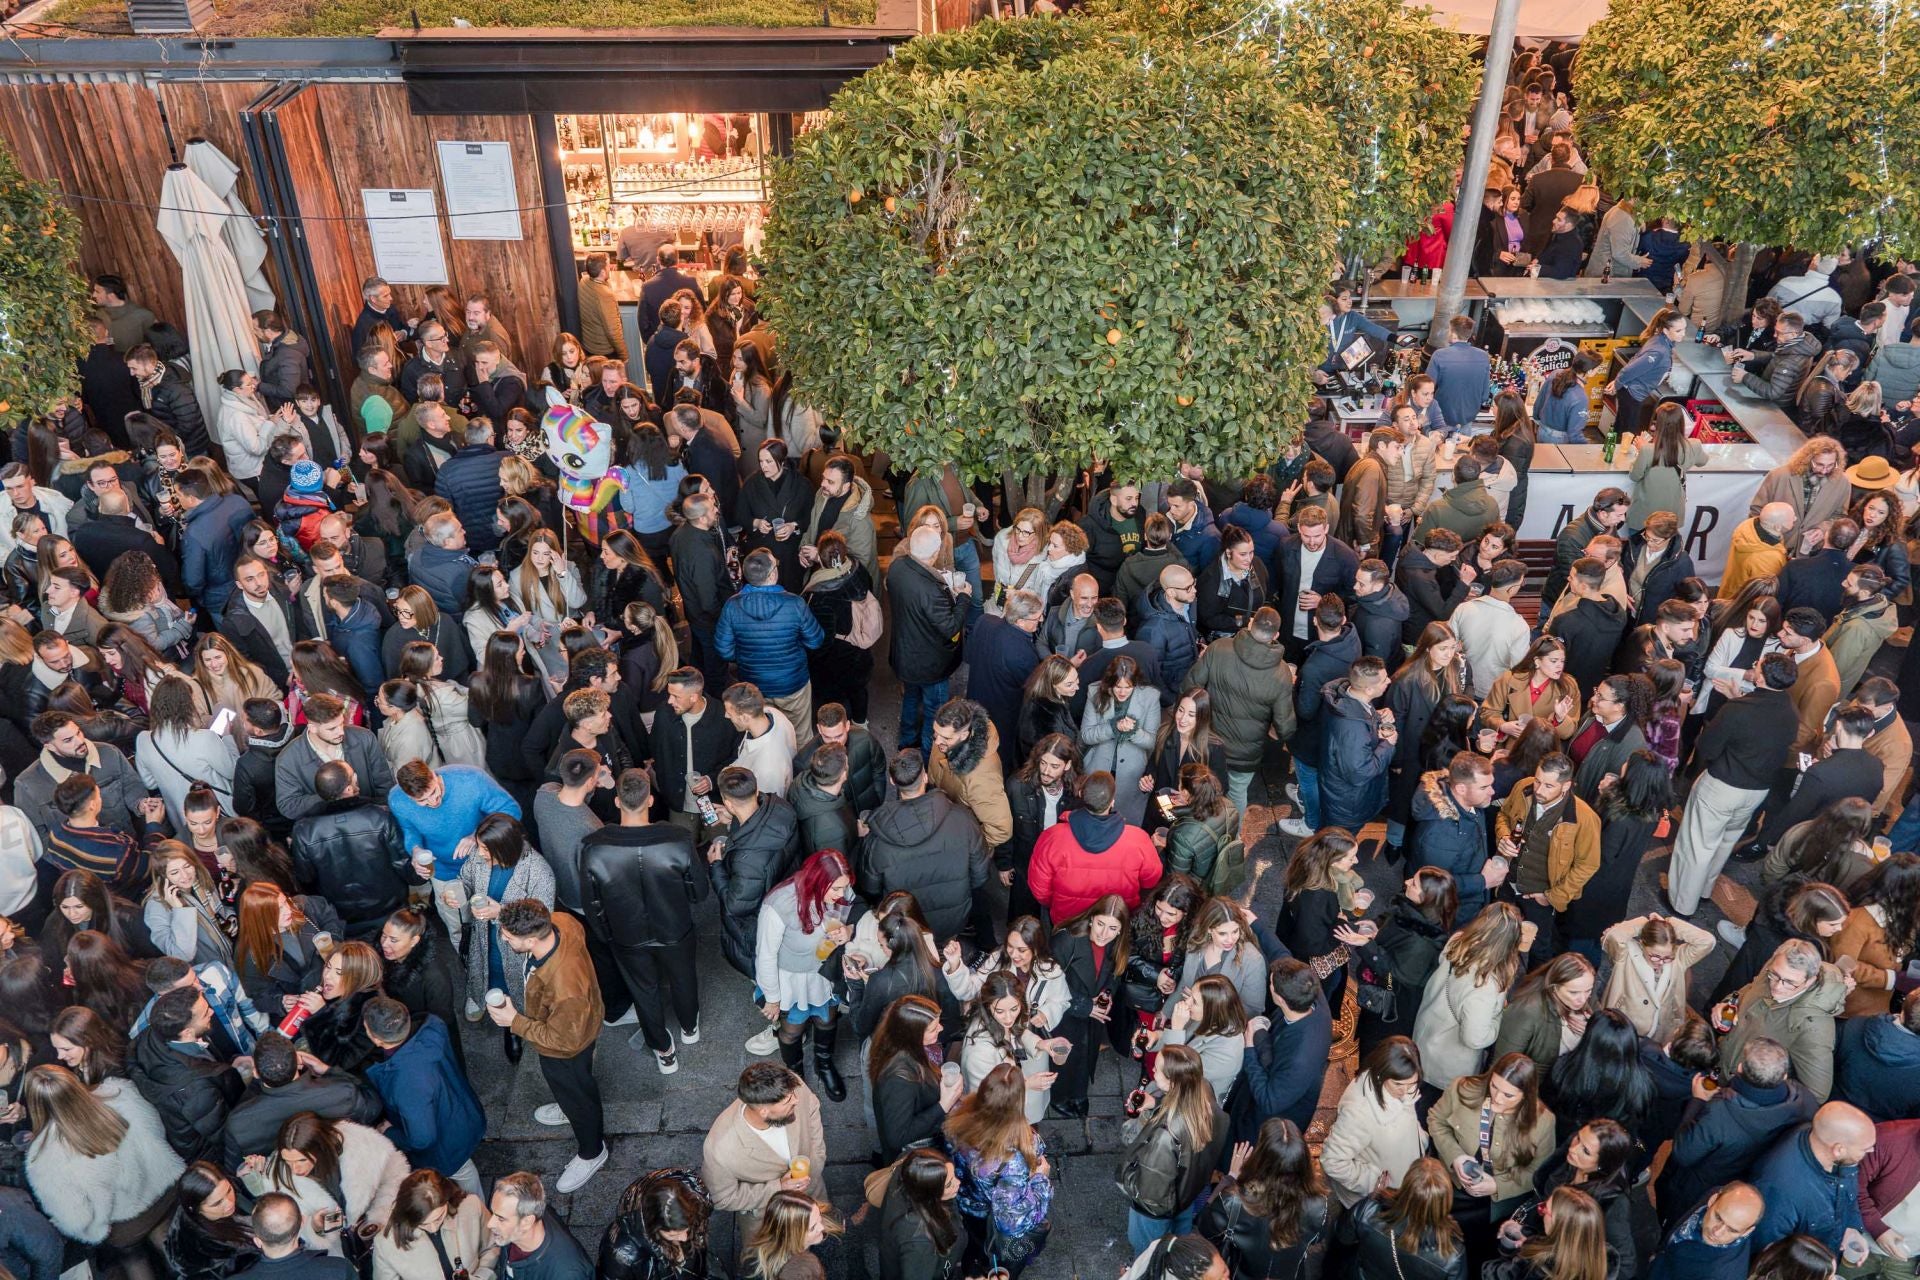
(1473, 178)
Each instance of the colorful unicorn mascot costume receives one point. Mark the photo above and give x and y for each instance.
(590, 485)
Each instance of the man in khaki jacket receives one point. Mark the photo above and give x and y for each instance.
(769, 1139)
(1890, 743)
(560, 1014)
(601, 333)
(1552, 839)
(965, 764)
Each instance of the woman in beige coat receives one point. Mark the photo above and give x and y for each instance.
(430, 1205)
(1376, 1133)
(1652, 956)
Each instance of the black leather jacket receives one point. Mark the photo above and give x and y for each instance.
(638, 885)
(350, 852)
(1245, 1239)
(627, 1254)
(1377, 1257)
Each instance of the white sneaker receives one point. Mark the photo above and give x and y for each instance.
(473, 1011)
(578, 1172)
(550, 1113)
(666, 1062)
(1296, 827)
(763, 1043)
(1735, 936)
(626, 1019)
(691, 1037)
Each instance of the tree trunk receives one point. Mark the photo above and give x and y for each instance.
(1733, 302)
(1032, 490)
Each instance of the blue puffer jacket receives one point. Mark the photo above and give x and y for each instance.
(767, 632)
(470, 480)
(356, 638)
(1199, 542)
(442, 573)
(1452, 839)
(1267, 529)
(209, 544)
(1171, 635)
(437, 1120)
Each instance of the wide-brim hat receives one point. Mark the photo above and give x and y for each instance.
(1873, 473)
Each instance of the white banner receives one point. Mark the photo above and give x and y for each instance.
(1716, 504)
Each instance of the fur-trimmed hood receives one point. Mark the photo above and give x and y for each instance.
(980, 739)
(1433, 785)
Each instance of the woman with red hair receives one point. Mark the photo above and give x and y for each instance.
(276, 955)
(802, 921)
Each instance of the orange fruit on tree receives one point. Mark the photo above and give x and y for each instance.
(1113, 337)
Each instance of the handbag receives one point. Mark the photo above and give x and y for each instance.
(1376, 1000)
(1324, 966)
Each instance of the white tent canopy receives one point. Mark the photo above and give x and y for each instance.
(1539, 19)
(219, 318)
(241, 233)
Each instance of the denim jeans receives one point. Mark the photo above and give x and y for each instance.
(1142, 1231)
(966, 560)
(1309, 779)
(918, 702)
(1239, 785)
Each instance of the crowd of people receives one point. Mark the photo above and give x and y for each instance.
(329, 743)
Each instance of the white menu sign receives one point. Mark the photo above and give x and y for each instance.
(404, 225)
(483, 202)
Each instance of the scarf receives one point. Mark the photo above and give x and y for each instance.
(826, 576)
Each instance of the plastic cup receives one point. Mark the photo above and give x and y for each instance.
(1882, 848)
(800, 1167)
(323, 942)
(949, 1072)
(496, 998)
(477, 901)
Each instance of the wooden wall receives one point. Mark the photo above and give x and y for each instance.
(341, 138)
(103, 140)
(107, 139)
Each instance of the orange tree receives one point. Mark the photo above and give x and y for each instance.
(42, 297)
(1760, 121)
(1026, 246)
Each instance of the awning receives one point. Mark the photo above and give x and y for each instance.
(1539, 19)
(631, 72)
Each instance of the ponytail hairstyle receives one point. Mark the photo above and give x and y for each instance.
(641, 618)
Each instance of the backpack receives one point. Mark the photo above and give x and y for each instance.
(866, 622)
(1229, 873)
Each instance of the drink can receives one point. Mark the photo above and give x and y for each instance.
(296, 1018)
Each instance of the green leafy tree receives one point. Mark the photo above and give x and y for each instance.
(1026, 246)
(1760, 121)
(1391, 85)
(43, 307)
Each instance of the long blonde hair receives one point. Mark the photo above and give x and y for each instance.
(242, 673)
(63, 1108)
(16, 646)
(1575, 1246)
(641, 618)
(782, 1233)
(528, 579)
(1189, 1097)
(1488, 948)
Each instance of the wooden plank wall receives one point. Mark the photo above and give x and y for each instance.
(103, 140)
(364, 135)
(108, 140)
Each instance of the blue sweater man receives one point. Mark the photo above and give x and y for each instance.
(437, 810)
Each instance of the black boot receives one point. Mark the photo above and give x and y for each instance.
(793, 1054)
(514, 1046)
(831, 1082)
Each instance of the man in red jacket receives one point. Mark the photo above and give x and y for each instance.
(1093, 853)
(1890, 1195)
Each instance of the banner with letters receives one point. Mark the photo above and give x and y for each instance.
(1716, 504)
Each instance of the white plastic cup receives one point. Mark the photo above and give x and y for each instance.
(323, 942)
(496, 998)
(950, 1071)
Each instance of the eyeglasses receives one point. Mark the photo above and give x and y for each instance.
(1788, 980)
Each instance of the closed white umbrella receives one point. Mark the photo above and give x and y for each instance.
(219, 318)
(242, 233)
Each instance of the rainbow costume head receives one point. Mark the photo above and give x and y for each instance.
(581, 446)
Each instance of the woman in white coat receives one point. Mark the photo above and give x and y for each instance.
(1460, 1013)
(178, 749)
(1028, 955)
(100, 1165)
(1117, 733)
(431, 1211)
(1376, 1134)
(312, 1157)
(547, 586)
(1000, 1029)
(426, 716)
(246, 427)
